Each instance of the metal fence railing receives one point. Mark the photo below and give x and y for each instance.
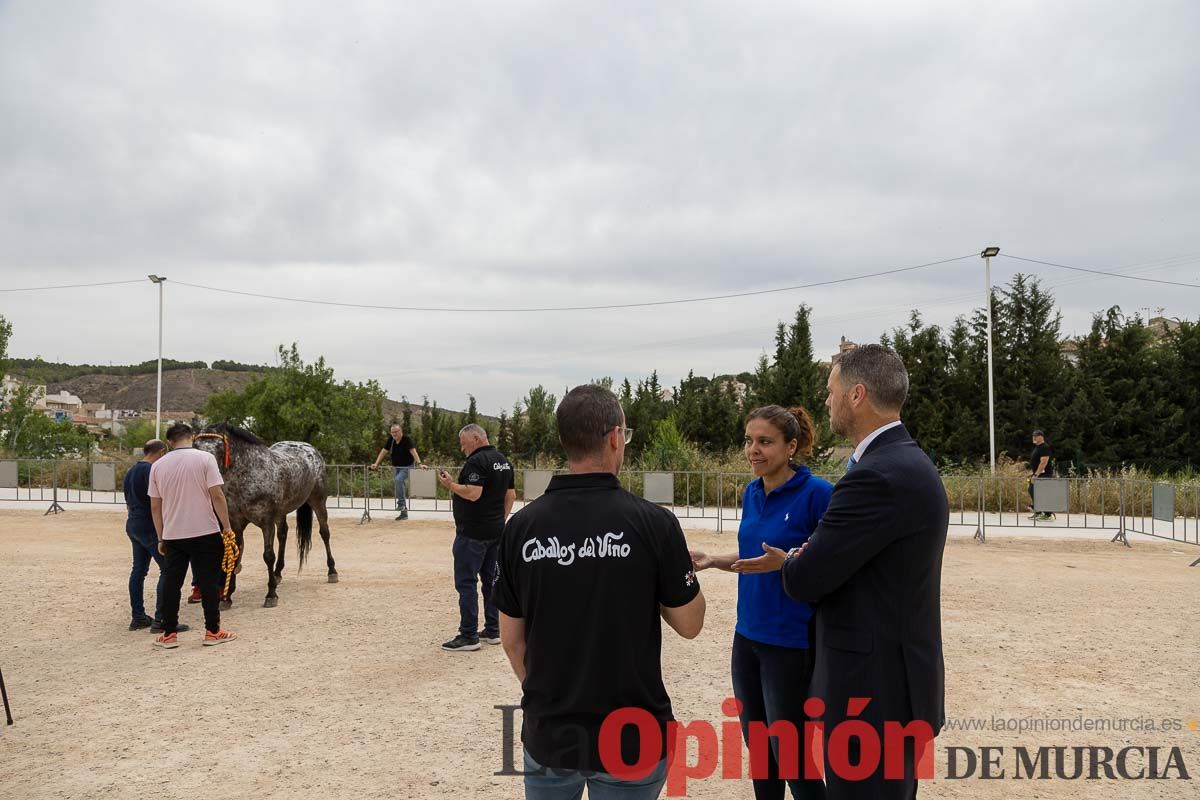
(690, 495)
(1092, 503)
(1168, 511)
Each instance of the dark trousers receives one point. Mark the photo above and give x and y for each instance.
(474, 561)
(875, 786)
(145, 550)
(204, 553)
(771, 683)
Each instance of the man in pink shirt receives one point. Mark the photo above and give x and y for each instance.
(190, 513)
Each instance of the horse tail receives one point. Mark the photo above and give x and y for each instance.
(304, 522)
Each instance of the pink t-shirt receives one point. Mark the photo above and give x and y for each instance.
(182, 479)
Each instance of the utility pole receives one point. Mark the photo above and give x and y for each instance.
(986, 255)
(158, 393)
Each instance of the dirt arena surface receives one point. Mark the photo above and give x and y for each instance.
(341, 691)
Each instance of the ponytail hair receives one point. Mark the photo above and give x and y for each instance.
(795, 424)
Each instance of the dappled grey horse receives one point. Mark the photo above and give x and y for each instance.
(263, 485)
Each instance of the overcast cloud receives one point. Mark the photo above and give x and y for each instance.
(528, 153)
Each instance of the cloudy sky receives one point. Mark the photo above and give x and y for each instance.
(529, 154)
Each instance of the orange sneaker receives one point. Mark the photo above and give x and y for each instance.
(220, 637)
(194, 597)
(166, 641)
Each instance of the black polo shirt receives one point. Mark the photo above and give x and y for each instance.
(483, 519)
(586, 566)
(1035, 458)
(401, 451)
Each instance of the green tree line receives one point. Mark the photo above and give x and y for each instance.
(1123, 394)
(1127, 396)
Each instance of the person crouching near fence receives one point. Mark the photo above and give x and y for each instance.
(773, 653)
(588, 572)
(190, 514)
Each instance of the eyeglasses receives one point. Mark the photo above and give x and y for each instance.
(626, 432)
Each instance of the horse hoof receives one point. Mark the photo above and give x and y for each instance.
(226, 605)
(278, 578)
(237, 570)
(333, 577)
(271, 602)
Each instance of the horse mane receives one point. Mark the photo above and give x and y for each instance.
(234, 432)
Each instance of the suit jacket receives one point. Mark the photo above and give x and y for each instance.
(873, 566)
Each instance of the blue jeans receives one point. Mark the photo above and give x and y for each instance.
(543, 783)
(400, 482)
(772, 684)
(475, 561)
(145, 549)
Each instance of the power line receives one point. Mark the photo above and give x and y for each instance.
(817, 320)
(611, 306)
(1102, 272)
(71, 286)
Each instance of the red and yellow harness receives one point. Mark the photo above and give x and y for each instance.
(229, 559)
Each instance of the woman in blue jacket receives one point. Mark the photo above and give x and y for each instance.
(772, 660)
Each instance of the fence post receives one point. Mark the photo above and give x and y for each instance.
(1121, 537)
(4, 694)
(720, 505)
(980, 529)
(366, 515)
(54, 508)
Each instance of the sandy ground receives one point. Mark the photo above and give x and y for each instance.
(341, 691)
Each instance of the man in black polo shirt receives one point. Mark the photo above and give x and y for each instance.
(1040, 467)
(586, 571)
(404, 457)
(482, 499)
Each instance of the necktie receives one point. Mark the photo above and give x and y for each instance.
(850, 463)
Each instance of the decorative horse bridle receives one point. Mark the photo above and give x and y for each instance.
(228, 457)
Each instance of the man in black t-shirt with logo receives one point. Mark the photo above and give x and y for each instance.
(586, 572)
(1040, 467)
(482, 499)
(404, 457)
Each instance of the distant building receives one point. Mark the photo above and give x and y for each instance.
(1160, 327)
(9, 386)
(1070, 351)
(64, 402)
(845, 347)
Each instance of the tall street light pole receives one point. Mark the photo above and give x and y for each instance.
(158, 393)
(986, 255)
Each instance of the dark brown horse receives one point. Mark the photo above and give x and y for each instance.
(263, 485)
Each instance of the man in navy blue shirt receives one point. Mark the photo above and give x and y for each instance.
(139, 526)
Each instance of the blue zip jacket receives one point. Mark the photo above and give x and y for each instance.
(785, 519)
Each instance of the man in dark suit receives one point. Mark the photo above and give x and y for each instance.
(873, 567)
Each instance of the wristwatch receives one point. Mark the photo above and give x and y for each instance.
(795, 551)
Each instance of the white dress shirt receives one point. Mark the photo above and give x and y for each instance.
(861, 450)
